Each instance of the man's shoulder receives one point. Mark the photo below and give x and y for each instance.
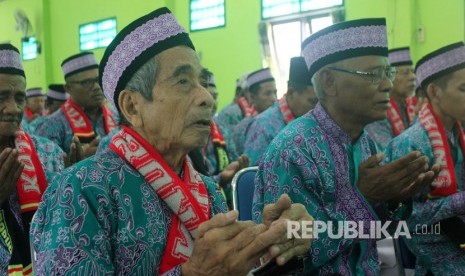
(45, 144)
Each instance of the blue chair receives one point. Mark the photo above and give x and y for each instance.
(243, 190)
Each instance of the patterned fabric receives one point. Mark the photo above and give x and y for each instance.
(382, 132)
(261, 132)
(58, 129)
(434, 252)
(246, 107)
(400, 56)
(229, 117)
(239, 134)
(15, 258)
(101, 217)
(32, 126)
(78, 63)
(187, 196)
(315, 162)
(259, 76)
(285, 110)
(10, 59)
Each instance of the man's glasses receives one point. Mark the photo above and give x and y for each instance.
(87, 83)
(405, 71)
(376, 76)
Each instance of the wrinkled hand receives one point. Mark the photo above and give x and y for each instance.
(396, 181)
(10, 170)
(76, 153)
(225, 246)
(227, 175)
(280, 212)
(91, 148)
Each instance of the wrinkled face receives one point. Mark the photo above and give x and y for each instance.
(303, 101)
(180, 113)
(450, 100)
(85, 90)
(12, 103)
(357, 98)
(265, 96)
(36, 104)
(404, 84)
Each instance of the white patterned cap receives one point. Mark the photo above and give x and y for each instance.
(10, 60)
(345, 40)
(260, 76)
(79, 63)
(34, 92)
(136, 44)
(400, 56)
(441, 62)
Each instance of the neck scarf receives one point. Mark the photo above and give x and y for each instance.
(247, 109)
(395, 117)
(284, 108)
(80, 123)
(187, 197)
(219, 146)
(446, 182)
(32, 182)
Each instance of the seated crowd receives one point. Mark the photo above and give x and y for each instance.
(126, 168)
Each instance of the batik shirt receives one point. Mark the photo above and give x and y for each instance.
(50, 156)
(382, 132)
(239, 134)
(434, 252)
(227, 119)
(101, 217)
(261, 132)
(58, 129)
(316, 163)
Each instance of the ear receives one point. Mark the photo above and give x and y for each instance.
(433, 91)
(129, 104)
(328, 82)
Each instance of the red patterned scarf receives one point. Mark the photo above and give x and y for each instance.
(28, 112)
(32, 182)
(219, 146)
(446, 182)
(395, 117)
(247, 109)
(287, 114)
(80, 123)
(187, 197)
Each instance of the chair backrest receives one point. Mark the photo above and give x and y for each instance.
(243, 190)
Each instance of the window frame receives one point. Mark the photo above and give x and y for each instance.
(301, 13)
(94, 22)
(208, 28)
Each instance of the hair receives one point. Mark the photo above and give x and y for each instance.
(143, 81)
(442, 82)
(299, 87)
(253, 89)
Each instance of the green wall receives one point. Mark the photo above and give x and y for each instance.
(228, 51)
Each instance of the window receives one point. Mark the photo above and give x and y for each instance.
(275, 8)
(206, 14)
(29, 48)
(97, 34)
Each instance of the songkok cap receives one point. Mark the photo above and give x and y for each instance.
(78, 63)
(260, 76)
(10, 60)
(242, 82)
(136, 44)
(298, 72)
(400, 56)
(345, 40)
(34, 92)
(441, 62)
(57, 92)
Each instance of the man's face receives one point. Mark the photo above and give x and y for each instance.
(450, 100)
(301, 102)
(36, 104)
(180, 113)
(85, 90)
(12, 103)
(214, 93)
(404, 84)
(265, 96)
(358, 98)
(54, 105)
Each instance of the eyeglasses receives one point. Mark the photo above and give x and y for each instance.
(405, 71)
(376, 76)
(87, 83)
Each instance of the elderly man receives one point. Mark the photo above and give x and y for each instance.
(326, 161)
(438, 134)
(262, 88)
(83, 115)
(299, 99)
(27, 163)
(139, 207)
(401, 112)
